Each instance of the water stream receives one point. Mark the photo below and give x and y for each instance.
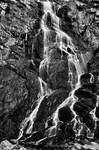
(73, 58)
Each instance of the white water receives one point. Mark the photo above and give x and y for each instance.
(80, 66)
(70, 101)
(71, 58)
(31, 118)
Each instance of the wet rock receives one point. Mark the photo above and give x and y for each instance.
(65, 114)
(92, 87)
(80, 109)
(54, 54)
(33, 137)
(69, 133)
(43, 70)
(58, 78)
(89, 121)
(85, 78)
(63, 14)
(84, 105)
(84, 93)
(48, 107)
(40, 9)
(83, 111)
(54, 70)
(83, 133)
(65, 133)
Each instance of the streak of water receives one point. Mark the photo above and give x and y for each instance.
(56, 33)
(31, 118)
(70, 101)
(72, 58)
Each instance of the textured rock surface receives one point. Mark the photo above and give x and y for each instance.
(25, 73)
(49, 105)
(65, 114)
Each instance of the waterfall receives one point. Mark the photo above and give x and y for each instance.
(52, 37)
(55, 37)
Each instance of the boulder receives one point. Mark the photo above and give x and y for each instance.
(65, 114)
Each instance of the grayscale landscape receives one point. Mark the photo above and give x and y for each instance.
(49, 74)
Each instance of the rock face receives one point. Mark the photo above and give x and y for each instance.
(65, 114)
(49, 74)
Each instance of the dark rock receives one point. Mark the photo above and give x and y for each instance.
(83, 93)
(37, 25)
(7, 10)
(85, 104)
(65, 9)
(69, 133)
(8, 129)
(83, 133)
(63, 14)
(32, 137)
(65, 114)
(80, 8)
(50, 123)
(92, 87)
(89, 121)
(85, 78)
(65, 133)
(70, 51)
(49, 21)
(40, 9)
(61, 137)
(80, 109)
(90, 103)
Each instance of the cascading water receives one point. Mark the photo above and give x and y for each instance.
(54, 37)
(32, 116)
(44, 90)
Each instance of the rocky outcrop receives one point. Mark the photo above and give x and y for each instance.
(44, 54)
